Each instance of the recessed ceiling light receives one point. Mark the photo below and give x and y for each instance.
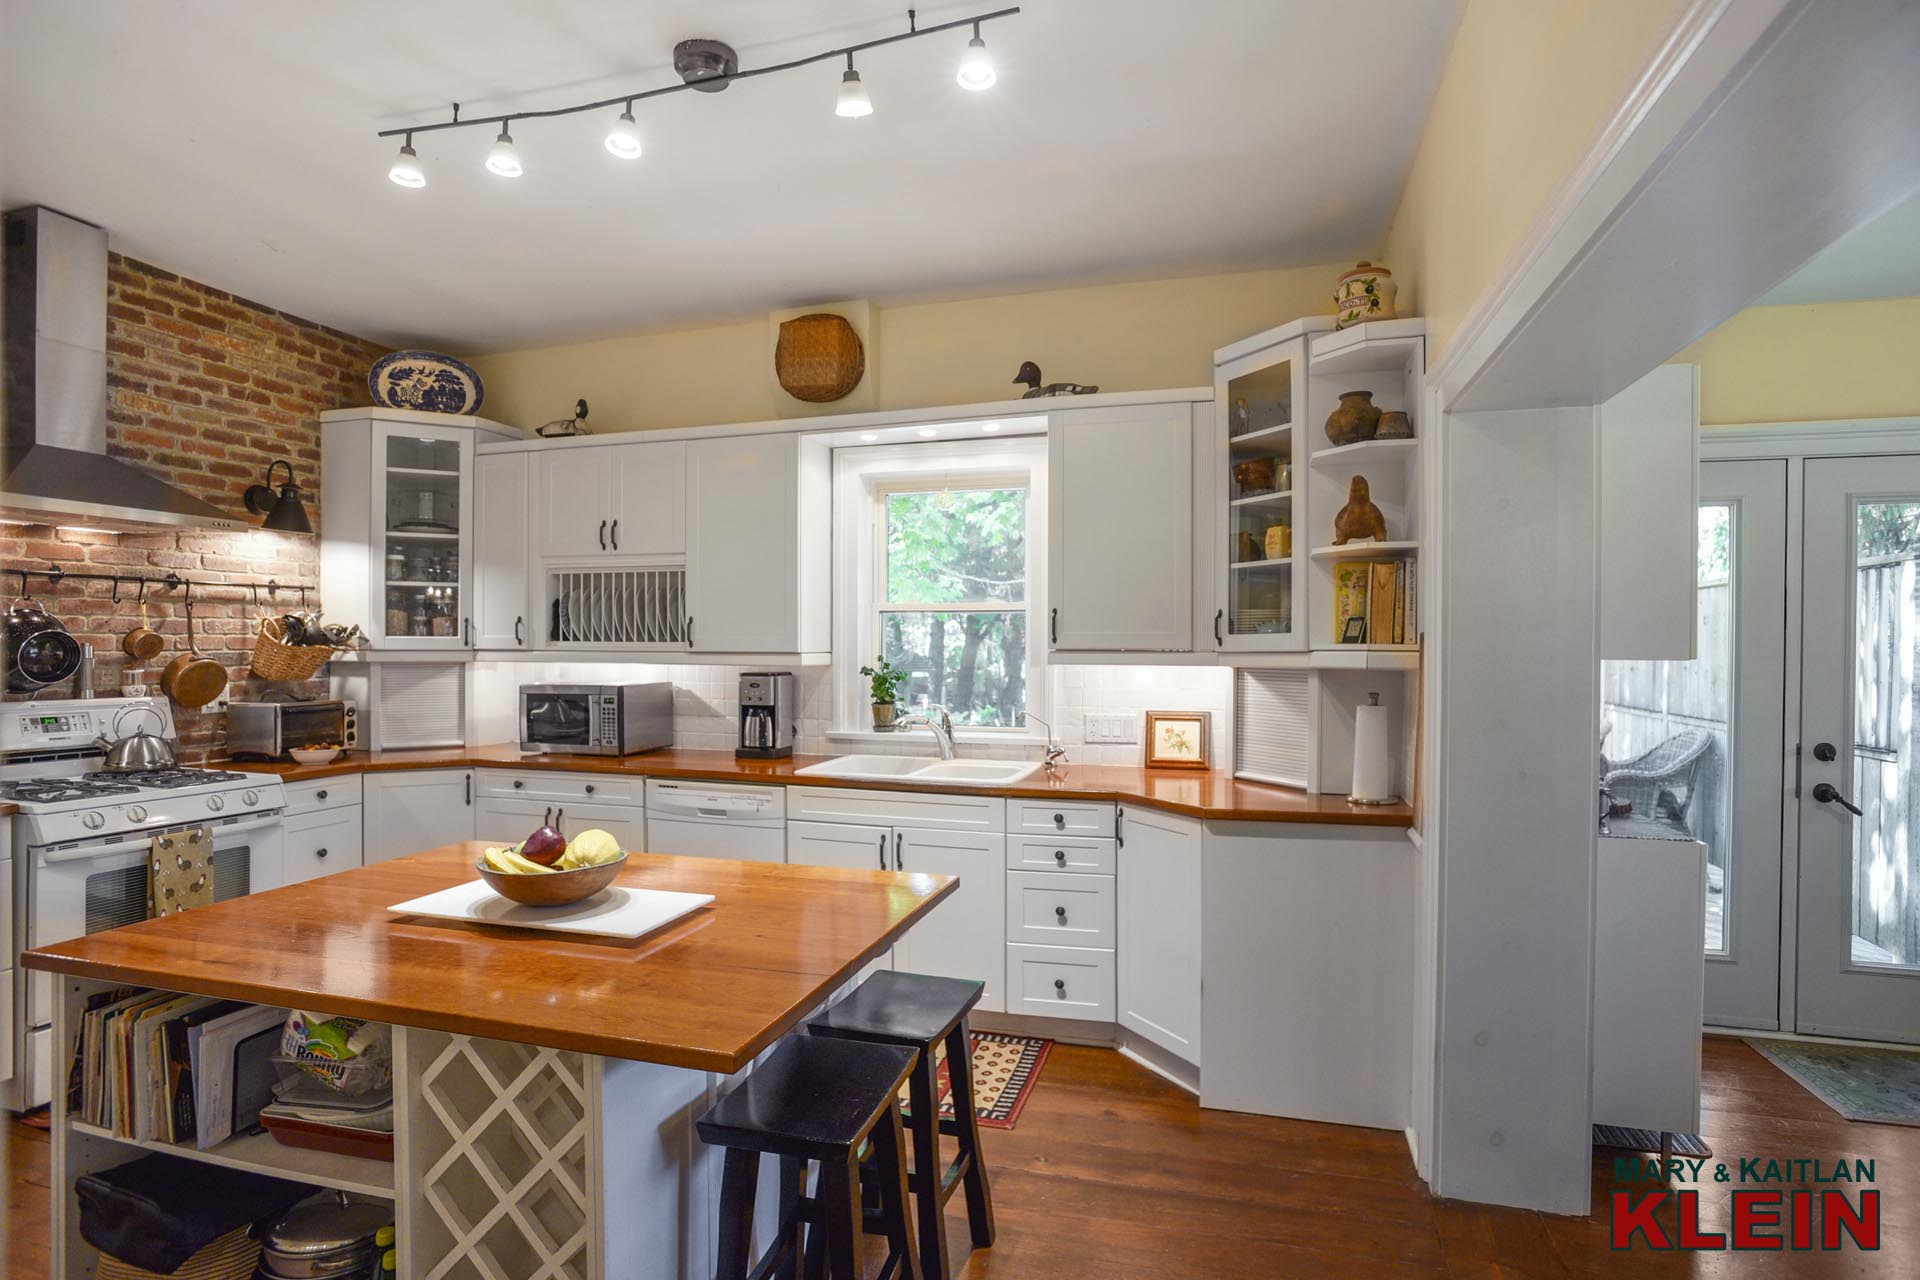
(869, 435)
(989, 426)
(928, 433)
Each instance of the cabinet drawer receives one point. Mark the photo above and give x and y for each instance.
(541, 784)
(319, 844)
(1089, 855)
(1076, 818)
(1060, 982)
(897, 809)
(323, 793)
(1056, 909)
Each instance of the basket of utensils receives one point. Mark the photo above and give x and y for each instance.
(295, 646)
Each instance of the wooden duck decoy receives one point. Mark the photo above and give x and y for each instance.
(1030, 375)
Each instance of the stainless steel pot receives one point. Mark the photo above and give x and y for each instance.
(328, 1235)
(140, 751)
(38, 649)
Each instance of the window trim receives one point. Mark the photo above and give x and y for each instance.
(862, 478)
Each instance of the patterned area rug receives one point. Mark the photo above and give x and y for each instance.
(1004, 1071)
(1878, 1086)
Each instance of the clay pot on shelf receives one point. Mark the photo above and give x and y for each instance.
(1394, 425)
(1364, 293)
(1254, 476)
(1355, 420)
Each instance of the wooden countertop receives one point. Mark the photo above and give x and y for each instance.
(1196, 793)
(707, 992)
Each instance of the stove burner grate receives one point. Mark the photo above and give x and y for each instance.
(164, 779)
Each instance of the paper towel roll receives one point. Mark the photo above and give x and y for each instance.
(1372, 759)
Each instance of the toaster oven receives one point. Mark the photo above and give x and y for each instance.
(268, 730)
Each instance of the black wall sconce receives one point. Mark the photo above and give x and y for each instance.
(284, 511)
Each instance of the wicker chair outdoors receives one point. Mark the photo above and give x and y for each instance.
(1661, 783)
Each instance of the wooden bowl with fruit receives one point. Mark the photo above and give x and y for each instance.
(548, 870)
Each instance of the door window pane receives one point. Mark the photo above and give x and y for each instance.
(1886, 729)
(1666, 729)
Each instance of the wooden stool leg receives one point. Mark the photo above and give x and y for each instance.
(923, 1090)
(967, 1131)
(890, 1172)
(737, 1182)
(840, 1217)
(793, 1185)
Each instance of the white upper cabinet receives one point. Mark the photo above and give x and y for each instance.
(1120, 522)
(501, 536)
(759, 512)
(625, 500)
(1260, 399)
(1649, 516)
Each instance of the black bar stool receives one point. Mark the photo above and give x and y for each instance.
(815, 1100)
(918, 1011)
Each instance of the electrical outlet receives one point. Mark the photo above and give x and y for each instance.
(1109, 726)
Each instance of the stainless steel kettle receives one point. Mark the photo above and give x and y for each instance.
(140, 750)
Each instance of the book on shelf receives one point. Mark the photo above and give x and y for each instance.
(1352, 580)
(1381, 596)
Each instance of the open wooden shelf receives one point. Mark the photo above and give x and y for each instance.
(1367, 551)
(259, 1153)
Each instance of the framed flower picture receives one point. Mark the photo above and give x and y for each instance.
(1178, 739)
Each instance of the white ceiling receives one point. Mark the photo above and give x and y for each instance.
(233, 141)
(1878, 260)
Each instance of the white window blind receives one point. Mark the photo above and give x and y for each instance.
(420, 704)
(1270, 726)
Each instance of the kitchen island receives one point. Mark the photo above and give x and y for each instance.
(545, 1086)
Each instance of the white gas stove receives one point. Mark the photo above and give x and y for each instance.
(82, 836)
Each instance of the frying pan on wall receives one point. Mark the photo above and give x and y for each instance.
(190, 679)
(39, 650)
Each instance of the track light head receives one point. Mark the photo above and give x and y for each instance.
(406, 170)
(623, 139)
(853, 102)
(502, 160)
(976, 68)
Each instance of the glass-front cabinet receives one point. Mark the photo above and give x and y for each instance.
(1259, 400)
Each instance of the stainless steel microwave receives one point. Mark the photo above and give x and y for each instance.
(596, 719)
(268, 730)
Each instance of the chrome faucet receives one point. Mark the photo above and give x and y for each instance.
(942, 728)
(1056, 754)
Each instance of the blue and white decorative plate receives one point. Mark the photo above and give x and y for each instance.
(425, 380)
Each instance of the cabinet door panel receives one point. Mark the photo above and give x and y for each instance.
(1159, 921)
(965, 935)
(742, 514)
(1120, 524)
(835, 844)
(651, 507)
(508, 821)
(412, 812)
(319, 844)
(501, 535)
(573, 500)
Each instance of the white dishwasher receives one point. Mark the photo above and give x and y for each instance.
(717, 820)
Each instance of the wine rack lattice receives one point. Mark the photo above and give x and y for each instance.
(501, 1137)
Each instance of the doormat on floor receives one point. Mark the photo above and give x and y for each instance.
(1004, 1071)
(1621, 1138)
(1876, 1086)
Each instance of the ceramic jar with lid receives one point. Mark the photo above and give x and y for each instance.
(1364, 293)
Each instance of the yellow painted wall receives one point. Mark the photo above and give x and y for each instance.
(1828, 361)
(1123, 337)
(1527, 87)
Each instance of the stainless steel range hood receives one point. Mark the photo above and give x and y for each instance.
(54, 466)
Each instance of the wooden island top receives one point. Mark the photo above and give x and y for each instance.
(1199, 793)
(707, 992)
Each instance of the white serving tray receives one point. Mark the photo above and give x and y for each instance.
(614, 912)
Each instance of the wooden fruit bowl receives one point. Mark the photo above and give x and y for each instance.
(551, 888)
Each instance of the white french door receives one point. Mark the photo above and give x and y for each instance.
(1858, 811)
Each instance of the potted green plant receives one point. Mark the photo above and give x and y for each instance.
(885, 680)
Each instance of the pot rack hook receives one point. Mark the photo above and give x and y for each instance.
(303, 598)
(142, 597)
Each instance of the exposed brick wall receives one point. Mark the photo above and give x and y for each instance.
(203, 389)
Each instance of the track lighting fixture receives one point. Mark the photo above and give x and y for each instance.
(502, 160)
(406, 169)
(709, 66)
(624, 138)
(853, 102)
(976, 68)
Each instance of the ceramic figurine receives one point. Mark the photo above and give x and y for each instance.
(1364, 293)
(1242, 416)
(1030, 374)
(1359, 520)
(1394, 425)
(1357, 418)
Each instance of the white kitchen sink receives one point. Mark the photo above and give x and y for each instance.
(946, 773)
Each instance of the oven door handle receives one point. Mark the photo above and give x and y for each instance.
(145, 842)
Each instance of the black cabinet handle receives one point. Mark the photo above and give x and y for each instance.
(589, 788)
(883, 851)
(1217, 615)
(466, 629)
(1060, 856)
(689, 631)
(1119, 814)
(469, 790)
(518, 783)
(1060, 820)
(1060, 914)
(1053, 626)
(320, 795)
(603, 535)
(518, 623)
(320, 852)
(898, 863)
(616, 535)
(1060, 985)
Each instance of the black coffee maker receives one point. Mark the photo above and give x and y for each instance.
(766, 715)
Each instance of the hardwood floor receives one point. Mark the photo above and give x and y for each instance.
(1116, 1175)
